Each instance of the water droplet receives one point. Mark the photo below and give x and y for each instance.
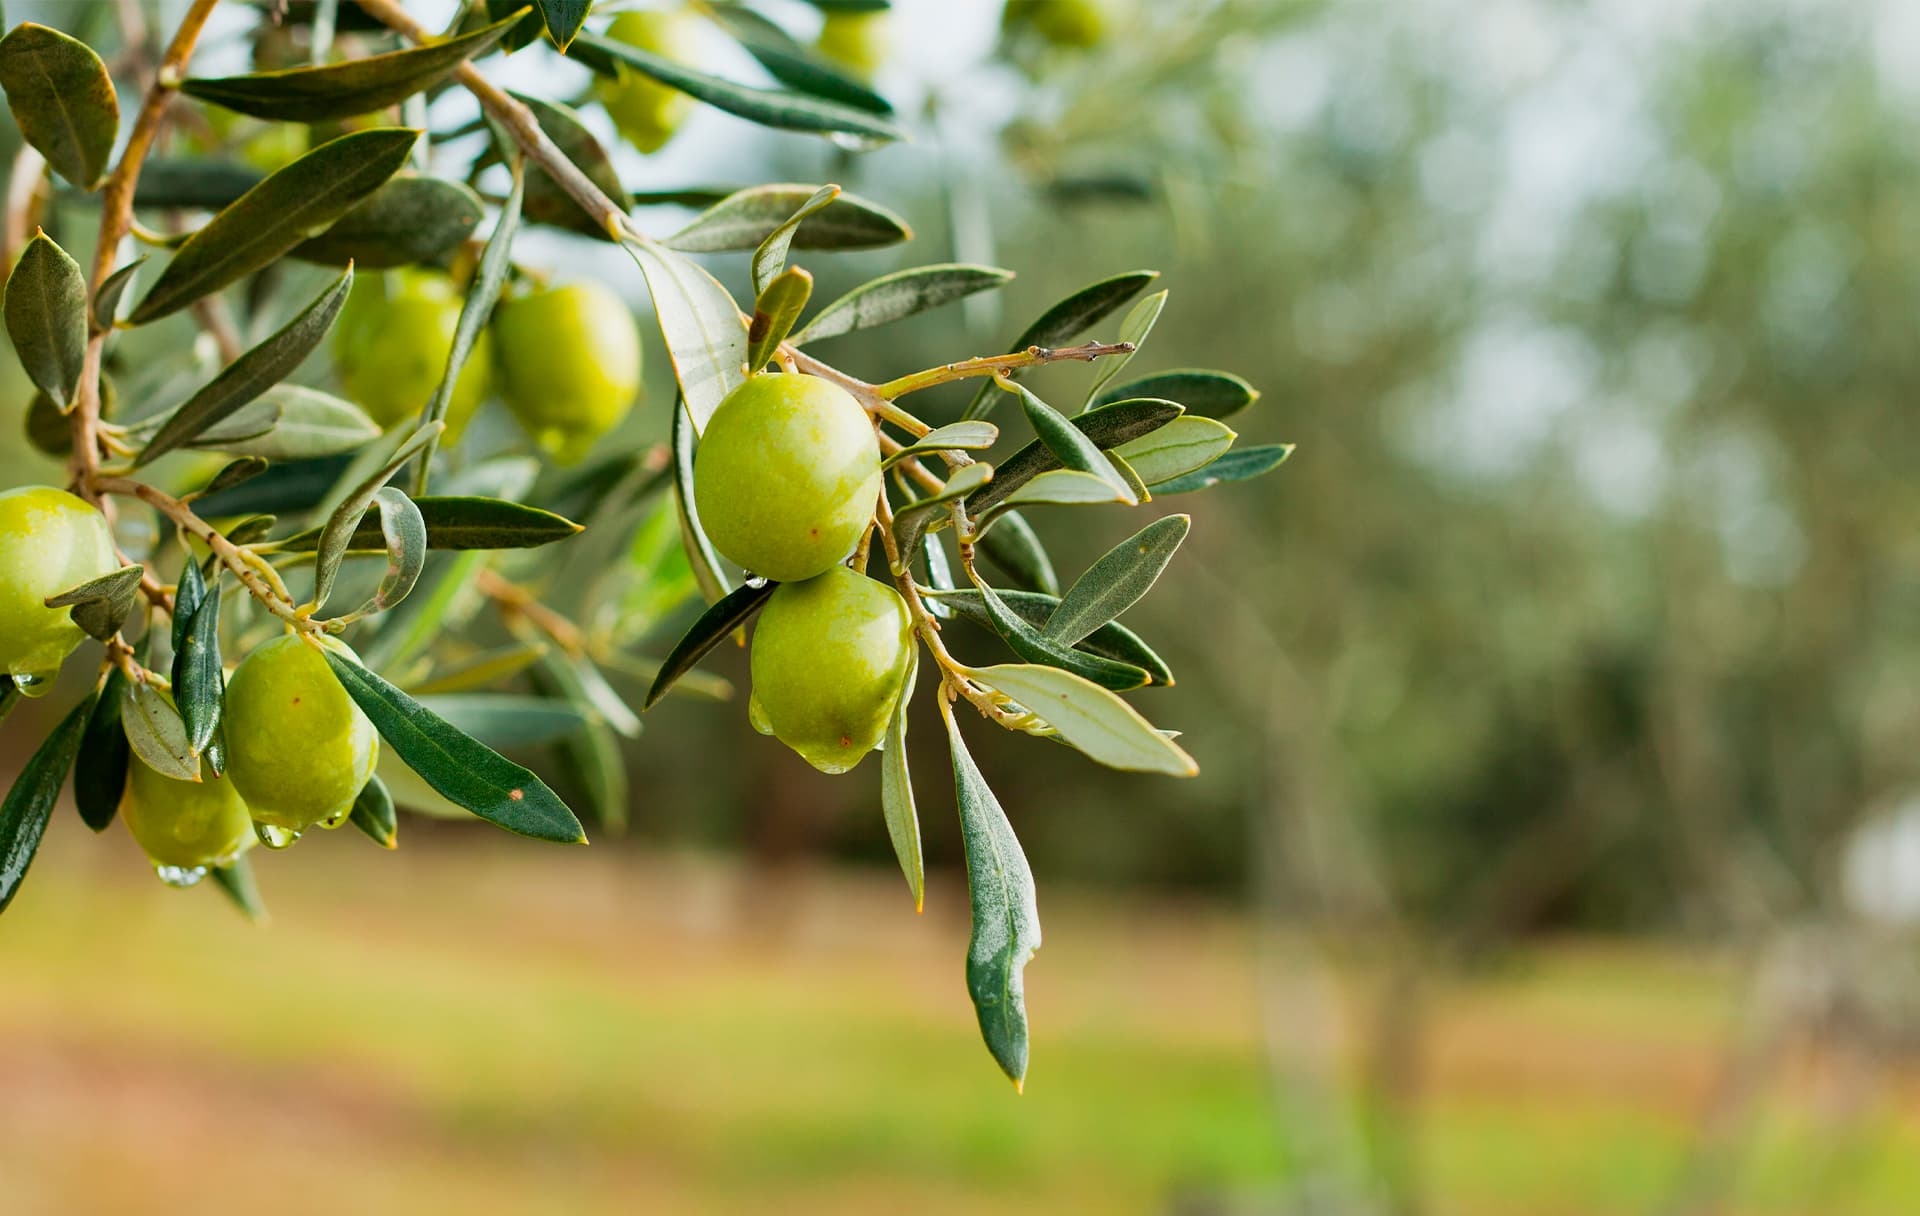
(275, 837)
(180, 876)
(757, 715)
(855, 143)
(756, 581)
(34, 683)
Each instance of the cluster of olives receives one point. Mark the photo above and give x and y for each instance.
(785, 481)
(565, 359)
(298, 750)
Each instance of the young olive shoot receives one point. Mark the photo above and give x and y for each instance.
(291, 567)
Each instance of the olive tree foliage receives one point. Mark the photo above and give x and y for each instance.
(388, 547)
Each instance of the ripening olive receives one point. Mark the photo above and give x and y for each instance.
(298, 748)
(50, 541)
(569, 364)
(390, 347)
(786, 476)
(646, 112)
(1066, 23)
(829, 659)
(182, 824)
(857, 41)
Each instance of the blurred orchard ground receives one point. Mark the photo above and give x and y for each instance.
(1586, 611)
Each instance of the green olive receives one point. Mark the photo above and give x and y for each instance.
(857, 41)
(786, 476)
(1080, 24)
(829, 658)
(298, 748)
(390, 346)
(50, 541)
(569, 365)
(184, 825)
(646, 112)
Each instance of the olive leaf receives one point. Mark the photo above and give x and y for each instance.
(1234, 466)
(46, 314)
(106, 301)
(774, 313)
(408, 220)
(744, 219)
(455, 522)
(1069, 444)
(896, 791)
(290, 422)
(29, 804)
(236, 881)
(330, 92)
(793, 64)
(901, 294)
(235, 473)
(373, 813)
(1006, 922)
(101, 605)
(1207, 394)
(338, 532)
(953, 437)
(156, 734)
(100, 773)
(405, 534)
(708, 572)
(587, 689)
(706, 340)
(1178, 448)
(1055, 487)
(563, 19)
(771, 256)
(199, 686)
(592, 752)
(1134, 328)
(1035, 647)
(459, 767)
(287, 208)
(507, 719)
(547, 202)
(733, 610)
(193, 183)
(1067, 320)
(1015, 548)
(1112, 640)
(911, 521)
(1116, 582)
(187, 594)
(1108, 426)
(1089, 718)
(767, 107)
(63, 100)
(252, 374)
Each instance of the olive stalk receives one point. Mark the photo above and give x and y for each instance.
(997, 365)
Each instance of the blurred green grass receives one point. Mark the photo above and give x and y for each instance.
(479, 1024)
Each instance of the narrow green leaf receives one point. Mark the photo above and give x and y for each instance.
(62, 99)
(46, 313)
(896, 792)
(767, 107)
(191, 589)
(1089, 718)
(291, 488)
(953, 437)
(456, 523)
(1234, 466)
(707, 569)
(373, 813)
(340, 527)
(193, 183)
(101, 605)
(405, 537)
(1176, 449)
(237, 883)
(408, 220)
(1069, 444)
(291, 206)
(563, 19)
(1035, 647)
(527, 32)
(589, 692)
(1116, 582)
(1108, 427)
(593, 752)
(458, 767)
(701, 324)
(1069, 319)
(487, 669)
(1206, 394)
(1006, 920)
(506, 719)
(445, 601)
(901, 294)
(1137, 324)
(771, 256)
(912, 521)
(352, 87)
(291, 422)
(793, 64)
(251, 530)
(100, 774)
(1112, 640)
(234, 473)
(745, 218)
(1058, 487)
(774, 313)
(199, 687)
(546, 201)
(29, 804)
(729, 614)
(1015, 548)
(157, 735)
(252, 374)
(106, 301)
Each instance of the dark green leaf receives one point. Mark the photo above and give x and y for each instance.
(564, 19)
(1012, 545)
(1116, 582)
(199, 688)
(1006, 922)
(106, 301)
(1108, 427)
(46, 311)
(1063, 487)
(770, 257)
(898, 295)
(236, 882)
(289, 488)
(546, 202)
(1069, 444)
(62, 99)
(28, 805)
(187, 595)
(457, 523)
(701, 324)
(1112, 641)
(768, 107)
(1206, 394)
(100, 606)
(775, 312)
(744, 219)
(794, 65)
(410, 219)
(293, 205)
(459, 767)
(237, 472)
(202, 185)
(896, 792)
(100, 774)
(252, 374)
(251, 530)
(373, 813)
(734, 610)
(291, 422)
(1089, 718)
(531, 26)
(405, 536)
(1035, 647)
(1234, 466)
(1069, 319)
(334, 91)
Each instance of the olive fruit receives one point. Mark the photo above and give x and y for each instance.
(646, 112)
(786, 476)
(181, 825)
(829, 659)
(391, 343)
(856, 41)
(50, 541)
(298, 748)
(569, 364)
(1065, 23)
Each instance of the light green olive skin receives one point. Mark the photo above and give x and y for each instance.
(829, 659)
(390, 346)
(1079, 24)
(568, 359)
(298, 748)
(786, 476)
(50, 541)
(182, 824)
(858, 42)
(644, 111)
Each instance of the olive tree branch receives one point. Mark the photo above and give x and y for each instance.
(996, 365)
(516, 602)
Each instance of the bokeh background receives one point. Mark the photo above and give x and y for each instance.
(1557, 844)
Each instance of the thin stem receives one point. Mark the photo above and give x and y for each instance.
(516, 601)
(866, 394)
(994, 365)
(953, 681)
(889, 446)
